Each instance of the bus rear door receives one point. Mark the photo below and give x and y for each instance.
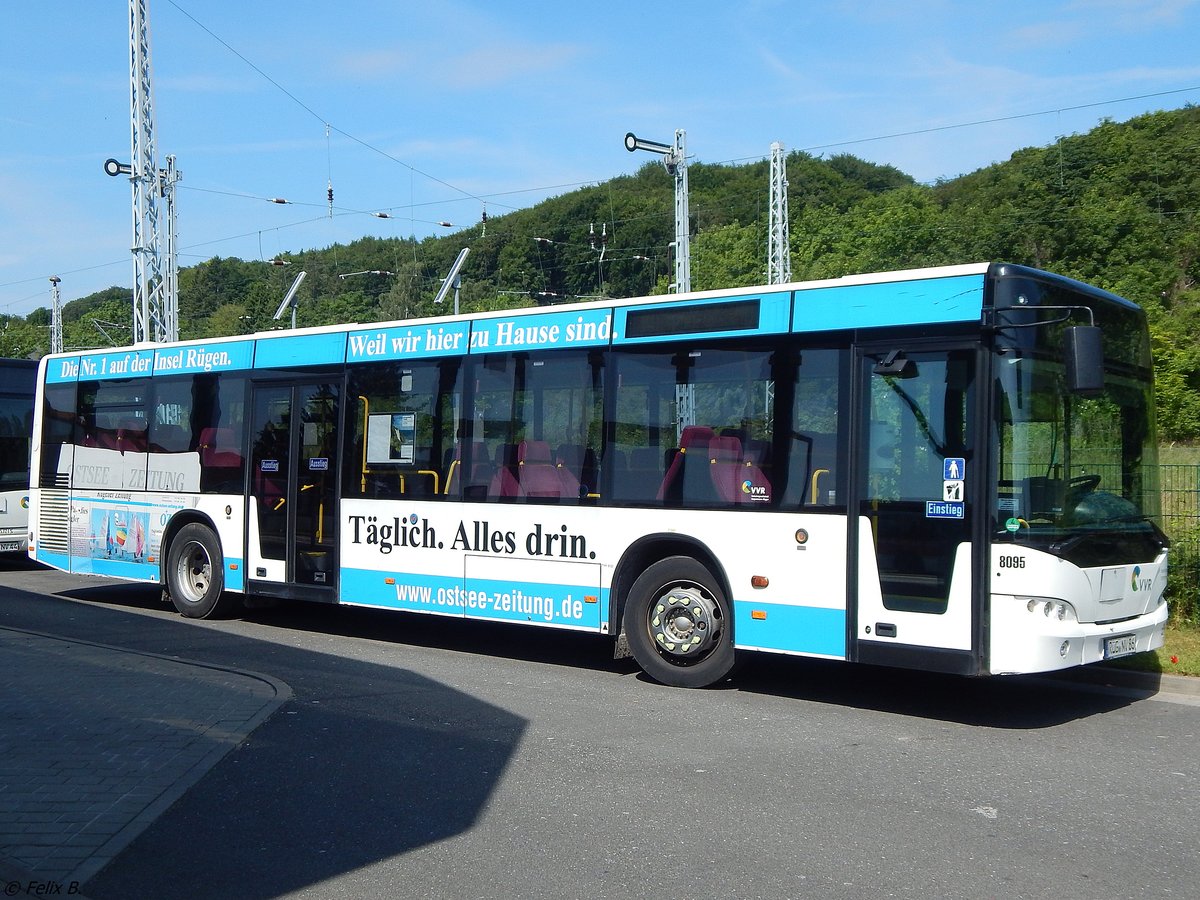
(292, 513)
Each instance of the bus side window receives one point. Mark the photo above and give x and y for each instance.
(220, 458)
(400, 428)
(814, 470)
(541, 412)
(687, 479)
(641, 476)
(131, 435)
(168, 438)
(218, 421)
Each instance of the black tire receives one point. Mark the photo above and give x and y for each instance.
(679, 624)
(195, 574)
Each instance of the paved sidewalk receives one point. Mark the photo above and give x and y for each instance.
(96, 742)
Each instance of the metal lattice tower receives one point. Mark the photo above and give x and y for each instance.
(155, 299)
(779, 254)
(56, 331)
(676, 163)
(170, 286)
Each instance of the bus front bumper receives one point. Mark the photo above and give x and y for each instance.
(1025, 641)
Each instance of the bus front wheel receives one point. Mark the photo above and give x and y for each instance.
(196, 573)
(678, 625)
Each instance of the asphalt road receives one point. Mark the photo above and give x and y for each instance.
(425, 757)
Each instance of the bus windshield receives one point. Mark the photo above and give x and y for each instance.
(17, 380)
(15, 428)
(1077, 475)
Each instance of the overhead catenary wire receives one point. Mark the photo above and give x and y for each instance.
(485, 198)
(325, 121)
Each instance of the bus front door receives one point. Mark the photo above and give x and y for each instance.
(292, 513)
(915, 466)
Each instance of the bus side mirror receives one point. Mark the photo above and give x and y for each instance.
(1083, 352)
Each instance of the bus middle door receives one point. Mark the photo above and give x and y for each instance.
(292, 513)
(915, 461)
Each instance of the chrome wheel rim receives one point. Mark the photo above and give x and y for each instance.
(194, 572)
(685, 623)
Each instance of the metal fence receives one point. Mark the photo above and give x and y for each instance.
(1181, 520)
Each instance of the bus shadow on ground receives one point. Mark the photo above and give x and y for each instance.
(396, 763)
(483, 638)
(1003, 701)
(1007, 702)
(364, 763)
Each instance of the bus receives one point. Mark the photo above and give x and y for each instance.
(950, 469)
(18, 380)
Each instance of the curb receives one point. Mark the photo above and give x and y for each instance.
(1130, 680)
(18, 880)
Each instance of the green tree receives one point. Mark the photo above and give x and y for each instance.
(228, 319)
(730, 256)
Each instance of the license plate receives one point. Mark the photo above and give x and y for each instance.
(1121, 645)
(10, 546)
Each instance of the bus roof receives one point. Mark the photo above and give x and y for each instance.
(939, 295)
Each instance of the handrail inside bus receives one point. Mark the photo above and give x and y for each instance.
(366, 411)
(815, 475)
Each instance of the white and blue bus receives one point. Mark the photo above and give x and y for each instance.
(18, 381)
(950, 469)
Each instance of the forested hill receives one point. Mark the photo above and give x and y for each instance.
(1117, 207)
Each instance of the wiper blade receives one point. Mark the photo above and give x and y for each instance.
(1096, 529)
(1059, 548)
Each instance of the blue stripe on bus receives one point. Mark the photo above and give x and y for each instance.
(116, 568)
(62, 370)
(235, 574)
(541, 604)
(570, 328)
(139, 571)
(420, 593)
(505, 601)
(923, 302)
(55, 560)
(226, 356)
(300, 350)
(407, 342)
(125, 364)
(792, 629)
(773, 312)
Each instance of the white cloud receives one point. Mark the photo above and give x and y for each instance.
(495, 64)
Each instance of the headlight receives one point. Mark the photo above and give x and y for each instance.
(1051, 608)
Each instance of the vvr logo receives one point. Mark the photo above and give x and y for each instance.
(1139, 583)
(756, 492)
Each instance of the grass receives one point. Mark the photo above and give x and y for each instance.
(1180, 655)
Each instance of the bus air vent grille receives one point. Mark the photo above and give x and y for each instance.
(54, 521)
(55, 480)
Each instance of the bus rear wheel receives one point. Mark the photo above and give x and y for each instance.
(196, 574)
(678, 624)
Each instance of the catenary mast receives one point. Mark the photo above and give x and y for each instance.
(779, 254)
(155, 296)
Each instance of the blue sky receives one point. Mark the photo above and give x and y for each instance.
(436, 108)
